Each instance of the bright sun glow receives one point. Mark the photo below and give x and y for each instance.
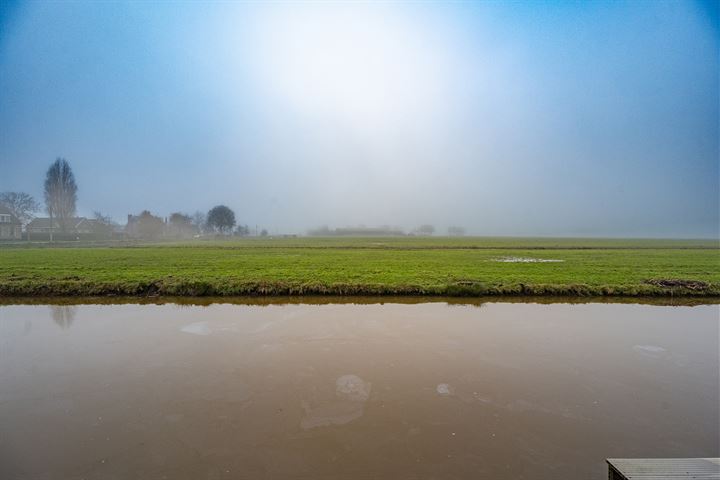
(349, 62)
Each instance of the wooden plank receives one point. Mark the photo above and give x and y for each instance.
(664, 468)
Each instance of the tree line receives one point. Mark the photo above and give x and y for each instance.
(60, 202)
(60, 196)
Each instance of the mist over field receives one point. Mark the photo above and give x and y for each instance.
(588, 119)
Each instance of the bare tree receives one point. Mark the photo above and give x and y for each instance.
(60, 192)
(242, 230)
(22, 205)
(198, 221)
(103, 219)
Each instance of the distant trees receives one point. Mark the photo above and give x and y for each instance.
(180, 219)
(242, 230)
(263, 233)
(21, 204)
(103, 219)
(181, 224)
(456, 231)
(60, 192)
(221, 219)
(425, 230)
(199, 221)
(361, 230)
(321, 231)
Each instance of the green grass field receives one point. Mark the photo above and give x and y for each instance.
(366, 266)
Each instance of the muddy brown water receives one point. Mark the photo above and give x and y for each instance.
(356, 391)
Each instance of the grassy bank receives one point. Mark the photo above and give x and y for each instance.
(367, 266)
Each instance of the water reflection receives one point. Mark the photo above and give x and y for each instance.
(354, 391)
(270, 301)
(63, 315)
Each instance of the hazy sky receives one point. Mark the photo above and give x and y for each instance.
(537, 118)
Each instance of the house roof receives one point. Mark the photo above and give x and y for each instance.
(42, 222)
(6, 211)
(92, 224)
(75, 223)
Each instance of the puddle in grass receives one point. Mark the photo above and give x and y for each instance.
(526, 260)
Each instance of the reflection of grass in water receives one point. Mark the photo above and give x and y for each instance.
(275, 300)
(357, 266)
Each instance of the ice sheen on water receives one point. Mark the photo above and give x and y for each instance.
(348, 404)
(443, 389)
(352, 387)
(199, 328)
(649, 348)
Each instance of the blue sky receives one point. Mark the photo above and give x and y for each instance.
(517, 118)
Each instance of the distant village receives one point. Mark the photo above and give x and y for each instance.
(142, 226)
(18, 220)
(178, 226)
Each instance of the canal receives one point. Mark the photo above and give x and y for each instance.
(356, 391)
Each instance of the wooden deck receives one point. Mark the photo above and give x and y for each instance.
(663, 468)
